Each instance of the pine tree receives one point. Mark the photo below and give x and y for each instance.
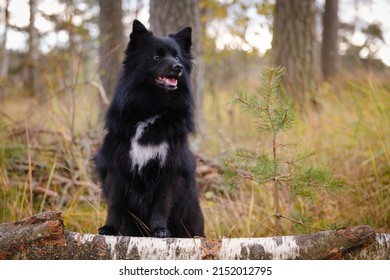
(274, 113)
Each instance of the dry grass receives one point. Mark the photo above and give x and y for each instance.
(45, 160)
(351, 135)
(52, 166)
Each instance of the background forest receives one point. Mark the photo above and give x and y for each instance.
(330, 168)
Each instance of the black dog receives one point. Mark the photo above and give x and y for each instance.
(145, 164)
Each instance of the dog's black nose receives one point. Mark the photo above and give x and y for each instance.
(177, 67)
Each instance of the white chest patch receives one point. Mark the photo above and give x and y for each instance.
(140, 154)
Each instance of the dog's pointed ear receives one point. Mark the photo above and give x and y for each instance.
(138, 34)
(183, 37)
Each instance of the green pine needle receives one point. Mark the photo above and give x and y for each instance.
(270, 107)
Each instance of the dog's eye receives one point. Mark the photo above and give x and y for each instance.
(156, 57)
(177, 58)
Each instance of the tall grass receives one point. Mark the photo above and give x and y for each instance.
(351, 135)
(52, 170)
(46, 151)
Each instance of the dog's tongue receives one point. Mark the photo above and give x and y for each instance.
(169, 81)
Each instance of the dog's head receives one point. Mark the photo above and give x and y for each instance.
(165, 62)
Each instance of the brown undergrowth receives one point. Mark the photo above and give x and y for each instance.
(47, 149)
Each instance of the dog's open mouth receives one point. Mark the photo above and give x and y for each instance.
(166, 82)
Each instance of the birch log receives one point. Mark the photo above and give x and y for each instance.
(44, 237)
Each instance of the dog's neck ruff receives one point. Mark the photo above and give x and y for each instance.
(141, 154)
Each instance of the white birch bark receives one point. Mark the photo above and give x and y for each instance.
(44, 237)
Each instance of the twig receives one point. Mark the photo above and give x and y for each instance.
(300, 223)
(251, 105)
(287, 218)
(42, 190)
(282, 177)
(301, 158)
(38, 189)
(102, 92)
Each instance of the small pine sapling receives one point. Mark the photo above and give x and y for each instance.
(274, 114)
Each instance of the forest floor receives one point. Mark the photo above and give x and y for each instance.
(47, 146)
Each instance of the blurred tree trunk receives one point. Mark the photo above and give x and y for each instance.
(111, 46)
(329, 48)
(295, 46)
(169, 16)
(32, 48)
(5, 56)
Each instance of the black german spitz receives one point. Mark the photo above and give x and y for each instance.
(145, 165)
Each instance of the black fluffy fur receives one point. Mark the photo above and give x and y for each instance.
(160, 199)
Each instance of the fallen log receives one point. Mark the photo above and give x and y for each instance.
(44, 237)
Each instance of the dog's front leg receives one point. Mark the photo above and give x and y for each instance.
(113, 222)
(115, 205)
(161, 208)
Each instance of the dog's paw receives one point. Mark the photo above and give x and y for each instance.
(161, 233)
(107, 230)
